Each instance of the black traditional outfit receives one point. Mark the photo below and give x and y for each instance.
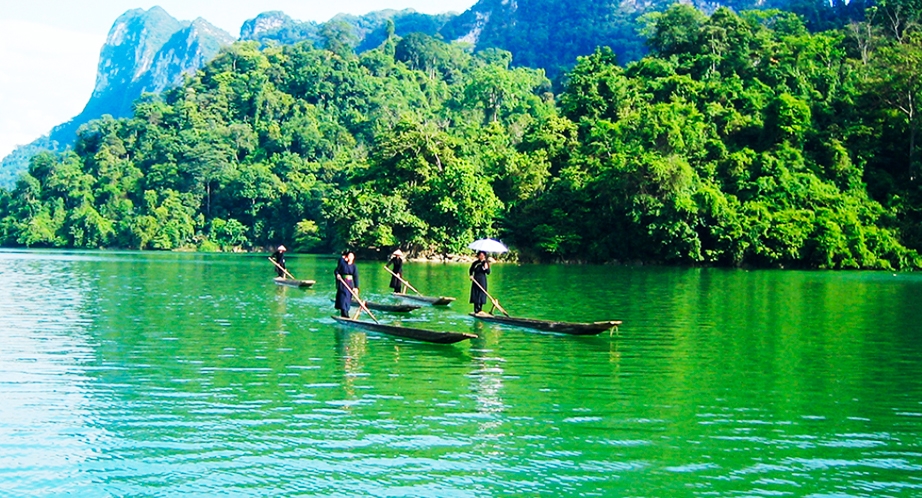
(279, 258)
(397, 263)
(479, 270)
(350, 275)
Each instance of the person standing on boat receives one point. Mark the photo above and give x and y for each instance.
(397, 262)
(479, 271)
(279, 257)
(346, 270)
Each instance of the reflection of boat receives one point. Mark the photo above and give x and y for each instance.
(408, 332)
(394, 308)
(291, 282)
(435, 301)
(572, 328)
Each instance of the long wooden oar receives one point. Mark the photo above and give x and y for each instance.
(357, 298)
(402, 280)
(495, 302)
(280, 267)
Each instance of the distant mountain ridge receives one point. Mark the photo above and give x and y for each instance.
(551, 34)
(368, 31)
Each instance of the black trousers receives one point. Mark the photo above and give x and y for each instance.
(478, 307)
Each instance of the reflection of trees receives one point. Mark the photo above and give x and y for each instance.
(280, 308)
(351, 348)
(488, 379)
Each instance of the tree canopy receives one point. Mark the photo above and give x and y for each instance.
(741, 139)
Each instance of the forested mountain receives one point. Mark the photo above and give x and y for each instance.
(149, 50)
(550, 34)
(146, 51)
(360, 32)
(739, 140)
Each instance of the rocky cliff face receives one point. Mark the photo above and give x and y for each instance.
(186, 51)
(278, 27)
(550, 34)
(368, 31)
(146, 51)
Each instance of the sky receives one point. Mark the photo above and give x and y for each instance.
(49, 49)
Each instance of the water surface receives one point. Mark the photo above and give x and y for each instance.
(167, 374)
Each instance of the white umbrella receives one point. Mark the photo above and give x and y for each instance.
(488, 245)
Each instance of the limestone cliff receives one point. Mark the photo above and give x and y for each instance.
(145, 51)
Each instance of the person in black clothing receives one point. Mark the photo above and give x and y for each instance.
(479, 271)
(350, 275)
(279, 257)
(397, 262)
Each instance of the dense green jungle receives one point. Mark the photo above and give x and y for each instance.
(739, 140)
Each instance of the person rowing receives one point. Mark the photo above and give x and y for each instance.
(278, 257)
(347, 278)
(397, 273)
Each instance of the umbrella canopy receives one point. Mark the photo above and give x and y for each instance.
(488, 245)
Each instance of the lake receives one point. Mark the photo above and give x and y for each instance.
(170, 374)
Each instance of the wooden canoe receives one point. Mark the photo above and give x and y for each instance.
(393, 308)
(434, 301)
(409, 332)
(294, 283)
(591, 328)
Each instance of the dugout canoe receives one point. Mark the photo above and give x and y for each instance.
(434, 301)
(572, 328)
(393, 308)
(291, 282)
(435, 336)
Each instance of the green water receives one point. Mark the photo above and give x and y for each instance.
(152, 374)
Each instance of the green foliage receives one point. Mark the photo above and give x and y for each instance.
(741, 140)
(265, 145)
(728, 146)
(306, 236)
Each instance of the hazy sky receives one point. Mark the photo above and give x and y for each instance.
(49, 49)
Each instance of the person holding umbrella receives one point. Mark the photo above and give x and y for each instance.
(478, 273)
(397, 274)
(347, 277)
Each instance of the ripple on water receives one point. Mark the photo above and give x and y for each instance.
(143, 374)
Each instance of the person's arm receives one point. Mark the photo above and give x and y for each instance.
(355, 278)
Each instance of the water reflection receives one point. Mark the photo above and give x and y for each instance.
(352, 346)
(128, 373)
(47, 422)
